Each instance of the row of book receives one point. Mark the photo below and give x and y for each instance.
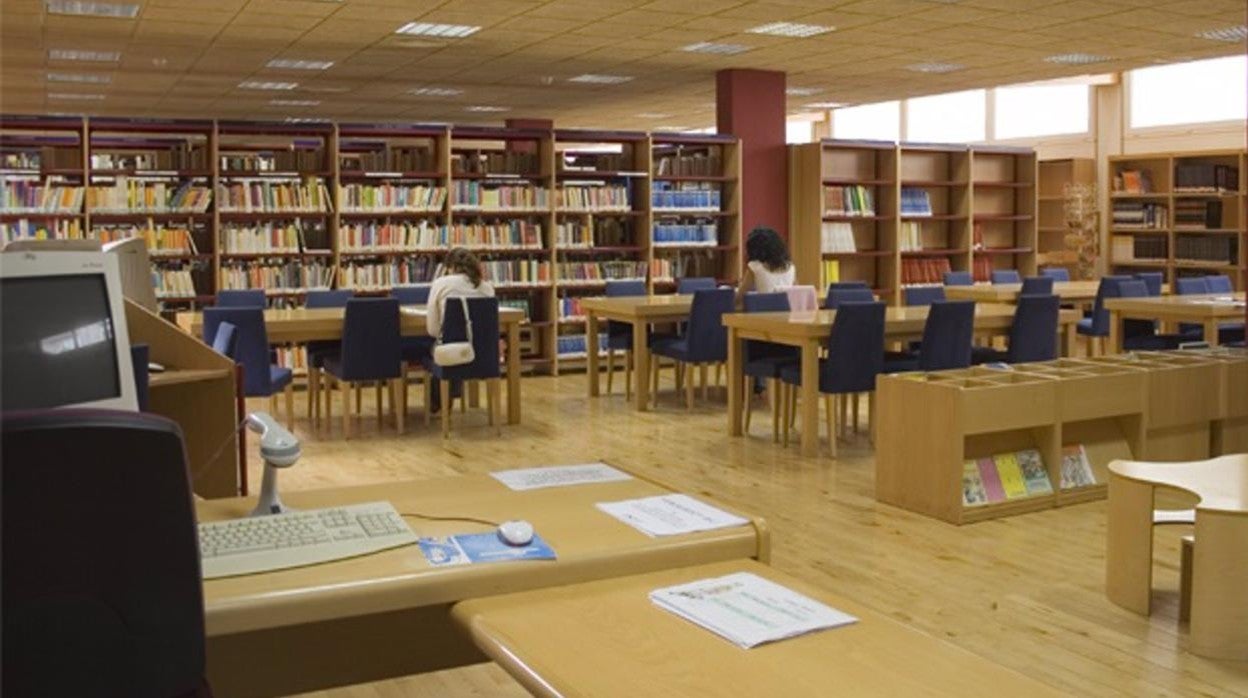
(1205, 177)
(485, 162)
(127, 195)
(43, 158)
(839, 237)
(981, 269)
(1133, 182)
(160, 239)
(386, 275)
(829, 272)
(1195, 214)
(392, 237)
(267, 196)
(574, 234)
(173, 282)
(293, 357)
(301, 160)
(697, 233)
(603, 198)
(572, 161)
(852, 200)
(517, 272)
(910, 236)
(264, 237)
(684, 264)
(390, 197)
(708, 164)
(23, 229)
(594, 272)
(1223, 249)
(915, 202)
(468, 195)
(33, 196)
(521, 304)
(570, 308)
(183, 157)
(278, 276)
(574, 345)
(1020, 474)
(666, 195)
(1134, 248)
(1140, 215)
(399, 159)
(928, 270)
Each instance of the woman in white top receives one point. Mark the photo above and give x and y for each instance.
(461, 276)
(768, 268)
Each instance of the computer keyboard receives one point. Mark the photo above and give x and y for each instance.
(279, 541)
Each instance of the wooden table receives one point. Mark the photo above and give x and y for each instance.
(809, 331)
(1205, 310)
(606, 638)
(640, 312)
(1071, 292)
(299, 325)
(387, 614)
(1219, 575)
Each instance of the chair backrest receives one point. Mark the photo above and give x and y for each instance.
(1219, 283)
(370, 339)
(777, 302)
(1033, 336)
(853, 294)
(627, 287)
(484, 314)
(1108, 288)
(690, 284)
(328, 299)
(1056, 273)
(1037, 286)
(855, 348)
(959, 278)
(411, 295)
(1006, 276)
(1131, 327)
(252, 350)
(707, 336)
(139, 354)
(102, 588)
(802, 299)
(1192, 285)
(225, 341)
(827, 298)
(947, 336)
(241, 298)
(1152, 281)
(923, 295)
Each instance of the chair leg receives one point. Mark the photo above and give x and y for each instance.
(312, 396)
(493, 390)
(328, 392)
(465, 389)
(749, 403)
(654, 373)
(290, 405)
(785, 407)
(359, 398)
(854, 418)
(446, 408)
(844, 421)
(871, 417)
(689, 387)
(398, 392)
(428, 402)
(830, 406)
(718, 369)
(773, 388)
(628, 377)
(610, 369)
(345, 390)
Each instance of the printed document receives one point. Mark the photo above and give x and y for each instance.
(559, 476)
(670, 515)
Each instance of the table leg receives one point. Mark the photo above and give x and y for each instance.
(1129, 544)
(513, 373)
(1068, 340)
(1219, 620)
(734, 382)
(1115, 333)
(810, 398)
(641, 365)
(1211, 332)
(591, 344)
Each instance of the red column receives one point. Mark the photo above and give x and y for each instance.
(750, 105)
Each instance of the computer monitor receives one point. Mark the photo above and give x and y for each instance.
(135, 268)
(63, 335)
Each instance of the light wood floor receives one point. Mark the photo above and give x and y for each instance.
(1025, 592)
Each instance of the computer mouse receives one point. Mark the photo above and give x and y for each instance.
(517, 533)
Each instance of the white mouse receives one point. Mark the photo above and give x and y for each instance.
(517, 533)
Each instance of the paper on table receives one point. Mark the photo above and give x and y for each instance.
(747, 609)
(558, 476)
(670, 515)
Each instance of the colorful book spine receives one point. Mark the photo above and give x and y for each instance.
(1076, 468)
(1011, 476)
(269, 237)
(274, 277)
(1035, 476)
(23, 229)
(603, 198)
(478, 196)
(993, 486)
(33, 196)
(382, 198)
(269, 196)
(973, 493)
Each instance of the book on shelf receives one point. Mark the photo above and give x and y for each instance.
(570, 307)
(700, 164)
(374, 237)
(23, 229)
(697, 232)
(298, 160)
(174, 282)
(127, 195)
(915, 202)
(1220, 249)
(574, 234)
(161, 239)
(1003, 477)
(837, 237)
(1076, 468)
(521, 304)
(1011, 475)
(850, 200)
(46, 158)
(1195, 214)
(381, 198)
(1140, 215)
(183, 157)
(515, 272)
(572, 162)
(593, 198)
(829, 272)
(683, 264)
(910, 236)
(572, 345)
(1131, 181)
(973, 493)
(263, 237)
(685, 196)
(292, 357)
(391, 159)
(1035, 477)
(35, 196)
(481, 162)
(286, 277)
(407, 271)
(474, 195)
(928, 270)
(1201, 177)
(1136, 248)
(273, 196)
(981, 269)
(387, 237)
(574, 272)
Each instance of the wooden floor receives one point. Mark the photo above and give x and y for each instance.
(1025, 592)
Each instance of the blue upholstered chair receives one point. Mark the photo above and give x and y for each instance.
(1033, 336)
(689, 284)
(1192, 286)
(225, 342)
(959, 278)
(417, 294)
(1141, 334)
(1219, 283)
(1006, 276)
(1037, 286)
(855, 358)
(847, 294)
(923, 295)
(241, 298)
(839, 285)
(1096, 326)
(1056, 273)
(320, 351)
(704, 341)
(260, 377)
(485, 367)
(1152, 281)
(620, 334)
(946, 339)
(764, 360)
(1228, 332)
(413, 349)
(369, 352)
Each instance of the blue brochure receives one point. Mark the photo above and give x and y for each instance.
(480, 547)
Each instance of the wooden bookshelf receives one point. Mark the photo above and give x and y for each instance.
(41, 152)
(1054, 179)
(1004, 205)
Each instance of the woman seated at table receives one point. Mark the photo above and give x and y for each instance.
(768, 268)
(461, 276)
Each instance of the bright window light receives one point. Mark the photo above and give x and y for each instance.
(954, 117)
(1025, 111)
(880, 121)
(796, 131)
(1190, 93)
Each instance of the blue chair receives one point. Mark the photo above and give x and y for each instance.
(413, 349)
(855, 358)
(946, 339)
(484, 315)
(1141, 334)
(847, 294)
(1033, 336)
(320, 351)
(1096, 326)
(1219, 283)
(764, 360)
(1228, 332)
(411, 295)
(369, 352)
(260, 377)
(1192, 286)
(690, 284)
(959, 278)
(1152, 281)
(1006, 276)
(225, 342)
(620, 335)
(1037, 286)
(704, 341)
(840, 285)
(241, 298)
(923, 295)
(1056, 273)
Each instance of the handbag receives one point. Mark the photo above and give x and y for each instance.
(456, 353)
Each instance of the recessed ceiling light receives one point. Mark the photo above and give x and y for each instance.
(79, 77)
(653, 115)
(1075, 58)
(789, 29)
(935, 67)
(486, 108)
(671, 128)
(295, 102)
(601, 79)
(306, 119)
(435, 91)
(92, 9)
(1228, 34)
(710, 47)
(326, 89)
(802, 91)
(81, 96)
(262, 85)
(70, 54)
(450, 31)
(295, 64)
(825, 105)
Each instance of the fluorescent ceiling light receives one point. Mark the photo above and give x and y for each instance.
(825, 105)
(802, 91)
(295, 102)
(449, 31)
(601, 79)
(306, 119)
(326, 89)
(710, 47)
(1228, 34)
(82, 96)
(435, 91)
(935, 67)
(486, 108)
(653, 115)
(92, 9)
(790, 29)
(671, 128)
(262, 85)
(295, 64)
(70, 54)
(79, 77)
(1075, 59)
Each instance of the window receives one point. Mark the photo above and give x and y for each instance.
(955, 117)
(1026, 111)
(880, 121)
(798, 131)
(1189, 93)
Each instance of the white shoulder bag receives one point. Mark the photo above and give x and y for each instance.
(456, 353)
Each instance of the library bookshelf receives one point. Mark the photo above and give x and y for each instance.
(1055, 180)
(290, 208)
(1180, 213)
(895, 215)
(1144, 406)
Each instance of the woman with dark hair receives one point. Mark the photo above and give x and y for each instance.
(461, 276)
(768, 267)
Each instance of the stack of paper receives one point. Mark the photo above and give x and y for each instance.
(747, 609)
(670, 515)
(558, 476)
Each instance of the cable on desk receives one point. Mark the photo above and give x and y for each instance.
(468, 519)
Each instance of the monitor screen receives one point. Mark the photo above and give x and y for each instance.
(58, 347)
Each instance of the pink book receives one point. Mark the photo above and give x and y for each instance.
(802, 299)
(992, 481)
